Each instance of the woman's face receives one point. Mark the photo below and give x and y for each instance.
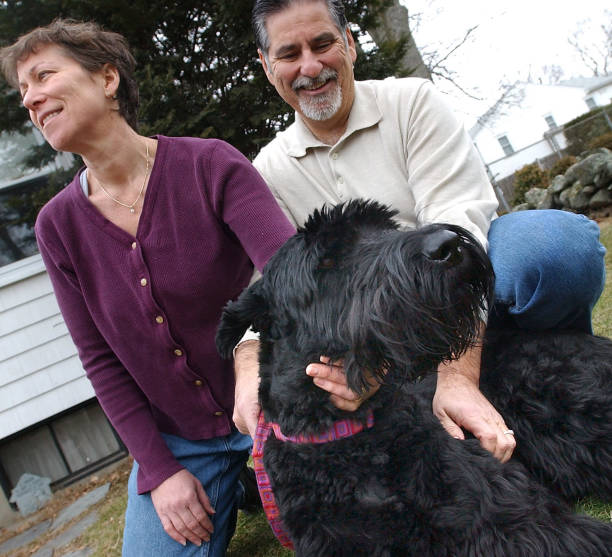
(66, 102)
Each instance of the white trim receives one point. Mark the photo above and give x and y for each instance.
(22, 269)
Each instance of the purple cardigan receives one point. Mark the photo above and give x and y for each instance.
(143, 310)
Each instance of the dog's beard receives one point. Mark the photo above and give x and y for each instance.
(323, 106)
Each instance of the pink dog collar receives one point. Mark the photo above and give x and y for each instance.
(340, 430)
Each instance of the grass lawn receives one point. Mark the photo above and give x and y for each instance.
(253, 536)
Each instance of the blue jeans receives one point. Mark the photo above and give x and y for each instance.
(549, 270)
(216, 463)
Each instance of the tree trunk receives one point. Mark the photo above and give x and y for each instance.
(393, 26)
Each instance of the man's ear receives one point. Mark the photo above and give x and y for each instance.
(264, 64)
(351, 44)
(251, 308)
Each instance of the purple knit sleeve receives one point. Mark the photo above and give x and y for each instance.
(244, 202)
(120, 397)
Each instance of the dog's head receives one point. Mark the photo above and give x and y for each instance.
(350, 284)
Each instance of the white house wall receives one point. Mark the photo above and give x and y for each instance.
(506, 166)
(525, 125)
(40, 373)
(602, 96)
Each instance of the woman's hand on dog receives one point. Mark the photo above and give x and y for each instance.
(183, 508)
(246, 400)
(329, 376)
(458, 403)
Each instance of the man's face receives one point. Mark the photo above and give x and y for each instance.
(310, 62)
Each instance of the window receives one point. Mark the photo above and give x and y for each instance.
(505, 145)
(23, 189)
(17, 220)
(550, 121)
(590, 102)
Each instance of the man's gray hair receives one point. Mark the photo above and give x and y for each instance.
(265, 8)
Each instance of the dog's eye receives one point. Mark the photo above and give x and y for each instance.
(326, 263)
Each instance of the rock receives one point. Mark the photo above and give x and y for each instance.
(558, 184)
(31, 493)
(576, 198)
(601, 198)
(80, 506)
(586, 169)
(25, 537)
(521, 207)
(67, 536)
(603, 177)
(547, 202)
(535, 196)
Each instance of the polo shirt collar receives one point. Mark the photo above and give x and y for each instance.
(365, 112)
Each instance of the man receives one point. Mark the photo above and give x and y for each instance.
(395, 141)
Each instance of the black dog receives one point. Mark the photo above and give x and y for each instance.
(395, 304)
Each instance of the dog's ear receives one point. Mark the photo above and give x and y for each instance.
(249, 309)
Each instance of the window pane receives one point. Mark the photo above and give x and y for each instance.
(17, 221)
(505, 145)
(23, 190)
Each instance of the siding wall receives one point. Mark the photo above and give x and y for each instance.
(40, 373)
(50, 423)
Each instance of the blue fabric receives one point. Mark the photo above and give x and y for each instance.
(216, 463)
(549, 269)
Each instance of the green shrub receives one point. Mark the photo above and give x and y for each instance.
(561, 166)
(530, 176)
(580, 131)
(604, 140)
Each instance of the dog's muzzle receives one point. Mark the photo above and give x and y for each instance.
(442, 246)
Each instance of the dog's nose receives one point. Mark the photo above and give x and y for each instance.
(442, 245)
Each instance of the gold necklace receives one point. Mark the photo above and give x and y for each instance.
(131, 205)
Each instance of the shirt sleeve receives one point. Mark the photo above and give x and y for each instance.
(120, 397)
(246, 205)
(445, 173)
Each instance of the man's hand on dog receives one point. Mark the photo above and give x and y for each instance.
(458, 403)
(183, 508)
(329, 376)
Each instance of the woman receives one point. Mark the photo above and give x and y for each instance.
(144, 247)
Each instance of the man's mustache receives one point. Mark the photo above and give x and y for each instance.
(304, 82)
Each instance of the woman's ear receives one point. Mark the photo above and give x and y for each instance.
(111, 80)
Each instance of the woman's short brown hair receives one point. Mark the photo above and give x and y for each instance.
(90, 46)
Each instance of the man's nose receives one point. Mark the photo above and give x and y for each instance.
(311, 66)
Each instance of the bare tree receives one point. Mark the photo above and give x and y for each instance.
(595, 48)
(512, 94)
(437, 61)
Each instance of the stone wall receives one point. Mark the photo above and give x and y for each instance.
(585, 186)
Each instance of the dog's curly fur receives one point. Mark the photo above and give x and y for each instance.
(395, 304)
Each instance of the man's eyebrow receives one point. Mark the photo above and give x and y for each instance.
(284, 49)
(325, 36)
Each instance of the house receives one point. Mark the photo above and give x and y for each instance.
(50, 422)
(527, 130)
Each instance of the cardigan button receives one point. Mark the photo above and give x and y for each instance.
(143, 282)
(134, 245)
(219, 413)
(197, 383)
(178, 352)
(159, 319)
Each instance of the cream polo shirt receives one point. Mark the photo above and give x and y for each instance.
(402, 147)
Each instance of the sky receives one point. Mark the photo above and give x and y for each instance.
(514, 39)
